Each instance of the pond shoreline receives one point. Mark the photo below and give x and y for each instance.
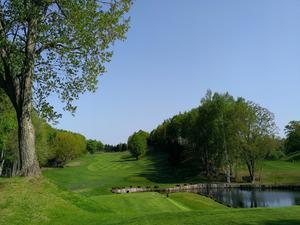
(191, 187)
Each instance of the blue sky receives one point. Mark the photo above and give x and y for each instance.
(176, 50)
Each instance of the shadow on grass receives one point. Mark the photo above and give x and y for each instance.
(283, 222)
(160, 171)
(125, 158)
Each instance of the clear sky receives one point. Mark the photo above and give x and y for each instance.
(177, 49)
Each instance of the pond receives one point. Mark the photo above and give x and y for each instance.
(252, 198)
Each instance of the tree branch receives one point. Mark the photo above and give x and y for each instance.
(3, 49)
(60, 8)
(53, 44)
(46, 46)
(10, 84)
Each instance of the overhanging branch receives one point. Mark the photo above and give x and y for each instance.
(55, 45)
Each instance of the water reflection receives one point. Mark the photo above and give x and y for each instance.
(236, 197)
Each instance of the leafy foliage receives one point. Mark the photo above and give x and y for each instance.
(137, 143)
(66, 146)
(121, 147)
(93, 146)
(217, 136)
(54, 147)
(292, 142)
(56, 48)
(72, 42)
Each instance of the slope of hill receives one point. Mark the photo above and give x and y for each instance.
(80, 194)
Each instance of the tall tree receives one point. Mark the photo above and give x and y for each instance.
(256, 127)
(215, 135)
(53, 46)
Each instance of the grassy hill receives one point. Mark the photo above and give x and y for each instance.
(80, 194)
(97, 174)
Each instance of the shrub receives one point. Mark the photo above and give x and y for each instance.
(66, 146)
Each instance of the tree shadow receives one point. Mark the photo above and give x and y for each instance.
(283, 222)
(160, 171)
(125, 158)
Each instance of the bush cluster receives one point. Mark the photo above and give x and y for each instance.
(54, 147)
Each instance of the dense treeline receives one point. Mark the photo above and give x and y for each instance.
(219, 135)
(121, 147)
(292, 142)
(94, 146)
(64, 146)
(54, 147)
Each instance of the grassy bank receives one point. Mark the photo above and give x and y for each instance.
(80, 194)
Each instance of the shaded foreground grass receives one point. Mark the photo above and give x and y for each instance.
(80, 194)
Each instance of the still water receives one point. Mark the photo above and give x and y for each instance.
(236, 197)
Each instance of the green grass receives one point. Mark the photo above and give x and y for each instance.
(281, 172)
(97, 174)
(278, 172)
(80, 195)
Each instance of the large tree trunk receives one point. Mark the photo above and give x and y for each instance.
(28, 158)
(18, 86)
(27, 154)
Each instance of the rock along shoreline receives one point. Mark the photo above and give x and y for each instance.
(193, 187)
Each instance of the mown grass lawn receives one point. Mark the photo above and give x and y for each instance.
(97, 174)
(80, 195)
(277, 172)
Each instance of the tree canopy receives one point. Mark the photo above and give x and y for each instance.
(137, 143)
(54, 48)
(217, 136)
(66, 42)
(292, 142)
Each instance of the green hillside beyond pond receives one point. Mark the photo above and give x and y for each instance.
(80, 194)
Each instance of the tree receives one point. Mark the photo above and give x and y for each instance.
(218, 135)
(292, 142)
(256, 128)
(93, 146)
(213, 134)
(225, 132)
(137, 143)
(53, 46)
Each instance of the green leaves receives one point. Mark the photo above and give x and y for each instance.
(292, 142)
(221, 133)
(72, 43)
(137, 143)
(94, 146)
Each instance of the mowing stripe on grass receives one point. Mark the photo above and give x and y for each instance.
(179, 205)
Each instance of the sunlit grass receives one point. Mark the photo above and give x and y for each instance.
(80, 195)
